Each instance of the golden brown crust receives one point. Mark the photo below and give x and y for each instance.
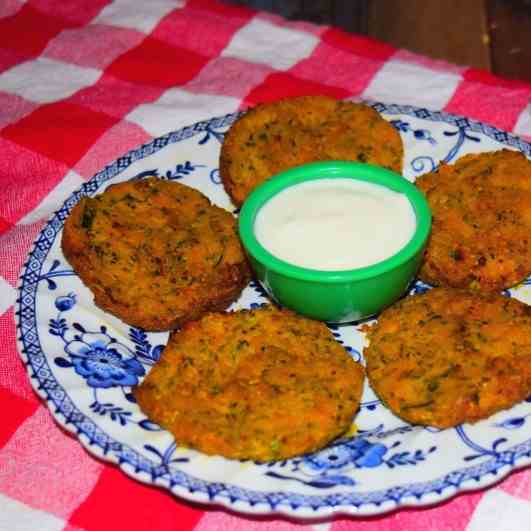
(451, 356)
(481, 222)
(263, 384)
(273, 137)
(155, 253)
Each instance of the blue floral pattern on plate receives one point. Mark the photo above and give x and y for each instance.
(84, 362)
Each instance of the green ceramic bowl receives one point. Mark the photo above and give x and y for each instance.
(335, 296)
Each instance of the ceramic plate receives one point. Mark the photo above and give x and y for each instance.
(83, 363)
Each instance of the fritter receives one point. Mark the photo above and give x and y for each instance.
(273, 137)
(450, 356)
(155, 253)
(261, 384)
(481, 222)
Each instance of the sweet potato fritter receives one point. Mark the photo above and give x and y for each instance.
(451, 356)
(273, 137)
(481, 222)
(261, 384)
(155, 253)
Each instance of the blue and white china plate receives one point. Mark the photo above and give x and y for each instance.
(83, 363)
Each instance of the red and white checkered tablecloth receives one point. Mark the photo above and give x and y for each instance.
(82, 82)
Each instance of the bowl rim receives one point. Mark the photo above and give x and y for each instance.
(333, 170)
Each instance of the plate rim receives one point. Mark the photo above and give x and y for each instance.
(312, 510)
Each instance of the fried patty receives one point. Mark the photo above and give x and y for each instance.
(481, 222)
(155, 253)
(262, 384)
(451, 356)
(273, 137)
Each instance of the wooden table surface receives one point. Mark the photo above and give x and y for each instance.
(491, 34)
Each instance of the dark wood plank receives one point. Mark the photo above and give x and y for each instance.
(318, 11)
(350, 15)
(510, 36)
(454, 30)
(290, 9)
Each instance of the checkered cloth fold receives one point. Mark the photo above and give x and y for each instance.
(82, 82)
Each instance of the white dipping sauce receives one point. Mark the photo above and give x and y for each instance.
(335, 224)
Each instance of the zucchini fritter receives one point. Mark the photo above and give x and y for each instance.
(155, 253)
(451, 356)
(273, 137)
(481, 222)
(261, 384)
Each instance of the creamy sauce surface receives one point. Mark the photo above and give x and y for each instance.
(335, 224)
